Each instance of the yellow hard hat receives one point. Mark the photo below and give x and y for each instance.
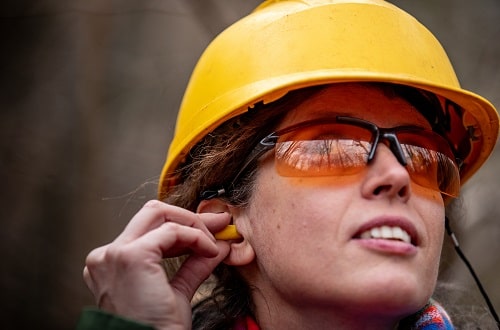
(290, 44)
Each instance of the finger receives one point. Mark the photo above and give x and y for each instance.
(87, 279)
(197, 269)
(91, 284)
(154, 214)
(215, 222)
(92, 262)
(172, 240)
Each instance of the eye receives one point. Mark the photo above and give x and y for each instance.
(321, 157)
(420, 159)
(328, 132)
(432, 169)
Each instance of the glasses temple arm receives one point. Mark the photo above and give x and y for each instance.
(264, 145)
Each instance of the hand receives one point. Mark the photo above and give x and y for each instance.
(126, 276)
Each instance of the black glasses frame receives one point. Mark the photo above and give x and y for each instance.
(388, 135)
(379, 134)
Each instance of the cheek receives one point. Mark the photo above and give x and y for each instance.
(431, 209)
(290, 219)
(437, 236)
(273, 215)
(433, 214)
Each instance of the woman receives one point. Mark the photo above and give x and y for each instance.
(331, 134)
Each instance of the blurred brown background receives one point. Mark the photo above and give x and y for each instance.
(89, 93)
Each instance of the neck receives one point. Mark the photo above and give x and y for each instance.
(299, 313)
(284, 317)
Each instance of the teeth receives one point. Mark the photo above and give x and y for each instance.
(386, 232)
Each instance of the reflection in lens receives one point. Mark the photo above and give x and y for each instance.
(321, 157)
(432, 169)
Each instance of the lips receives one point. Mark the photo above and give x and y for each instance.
(387, 232)
(390, 229)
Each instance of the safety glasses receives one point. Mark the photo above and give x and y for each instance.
(345, 145)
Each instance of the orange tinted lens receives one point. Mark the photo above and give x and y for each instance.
(323, 150)
(342, 149)
(430, 162)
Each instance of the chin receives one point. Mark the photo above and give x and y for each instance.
(401, 297)
(400, 294)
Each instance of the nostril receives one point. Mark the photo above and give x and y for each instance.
(380, 189)
(403, 191)
(387, 188)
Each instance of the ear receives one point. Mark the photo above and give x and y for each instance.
(213, 205)
(242, 252)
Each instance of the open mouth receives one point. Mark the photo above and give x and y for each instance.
(387, 232)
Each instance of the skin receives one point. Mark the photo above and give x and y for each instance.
(310, 271)
(126, 277)
(299, 247)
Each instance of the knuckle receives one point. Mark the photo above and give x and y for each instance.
(94, 258)
(177, 229)
(171, 226)
(124, 256)
(154, 204)
(172, 229)
(86, 274)
(113, 257)
(156, 208)
(87, 278)
(117, 254)
(198, 218)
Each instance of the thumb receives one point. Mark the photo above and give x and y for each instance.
(197, 269)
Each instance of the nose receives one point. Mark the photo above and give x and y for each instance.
(386, 177)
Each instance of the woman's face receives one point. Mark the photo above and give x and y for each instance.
(306, 232)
